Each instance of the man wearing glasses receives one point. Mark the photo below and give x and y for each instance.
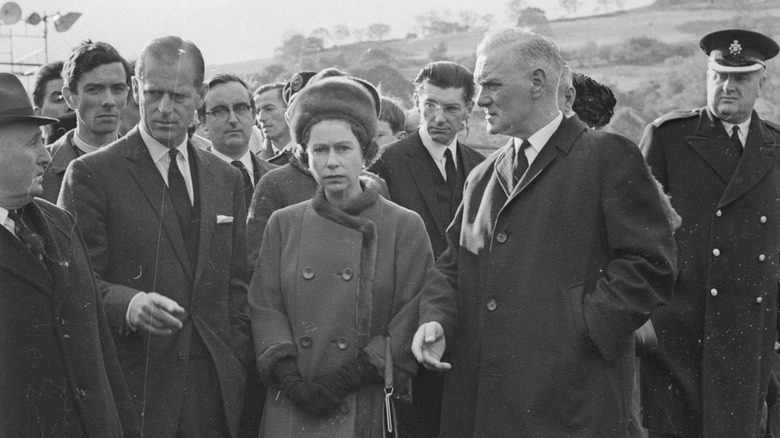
(425, 172)
(229, 115)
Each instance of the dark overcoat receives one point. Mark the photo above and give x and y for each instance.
(410, 174)
(716, 336)
(62, 151)
(59, 374)
(542, 286)
(135, 243)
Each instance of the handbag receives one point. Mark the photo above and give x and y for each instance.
(397, 408)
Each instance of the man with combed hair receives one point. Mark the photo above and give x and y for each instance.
(96, 82)
(560, 249)
(167, 237)
(270, 107)
(711, 372)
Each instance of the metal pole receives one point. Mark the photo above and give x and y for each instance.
(46, 37)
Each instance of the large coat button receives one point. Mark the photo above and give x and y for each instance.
(714, 292)
(761, 257)
(346, 274)
(306, 341)
(759, 300)
(718, 213)
(501, 237)
(491, 305)
(342, 343)
(716, 252)
(762, 219)
(308, 273)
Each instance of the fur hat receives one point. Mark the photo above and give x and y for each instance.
(339, 97)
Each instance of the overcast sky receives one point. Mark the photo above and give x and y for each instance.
(230, 30)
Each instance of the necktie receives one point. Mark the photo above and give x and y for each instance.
(736, 143)
(449, 169)
(178, 191)
(521, 162)
(32, 240)
(249, 189)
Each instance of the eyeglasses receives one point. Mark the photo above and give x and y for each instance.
(447, 108)
(221, 113)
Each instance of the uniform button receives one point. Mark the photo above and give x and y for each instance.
(65, 265)
(182, 355)
(501, 237)
(759, 300)
(81, 393)
(762, 219)
(714, 292)
(342, 343)
(308, 273)
(491, 305)
(306, 342)
(716, 252)
(346, 274)
(718, 213)
(761, 257)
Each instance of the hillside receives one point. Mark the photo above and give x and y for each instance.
(678, 26)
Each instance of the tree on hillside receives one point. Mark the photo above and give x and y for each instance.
(323, 34)
(571, 6)
(435, 23)
(297, 46)
(532, 17)
(340, 33)
(378, 31)
(515, 8)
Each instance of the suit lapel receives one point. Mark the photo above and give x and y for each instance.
(420, 163)
(758, 158)
(19, 261)
(208, 193)
(56, 238)
(712, 144)
(153, 186)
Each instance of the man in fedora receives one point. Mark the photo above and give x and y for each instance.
(59, 372)
(710, 374)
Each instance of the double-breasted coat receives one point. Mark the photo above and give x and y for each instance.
(542, 287)
(119, 197)
(331, 283)
(59, 374)
(716, 336)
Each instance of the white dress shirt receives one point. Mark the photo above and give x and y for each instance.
(245, 159)
(159, 153)
(538, 139)
(436, 150)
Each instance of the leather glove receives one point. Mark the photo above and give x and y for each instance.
(352, 376)
(310, 397)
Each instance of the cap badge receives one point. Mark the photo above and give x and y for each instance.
(735, 49)
(296, 83)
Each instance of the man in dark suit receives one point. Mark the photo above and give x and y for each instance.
(97, 80)
(270, 106)
(229, 113)
(59, 372)
(559, 251)
(425, 172)
(167, 237)
(712, 370)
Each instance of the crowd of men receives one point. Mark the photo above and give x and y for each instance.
(568, 260)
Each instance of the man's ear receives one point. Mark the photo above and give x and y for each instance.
(71, 98)
(538, 81)
(400, 135)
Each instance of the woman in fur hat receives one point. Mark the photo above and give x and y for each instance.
(338, 279)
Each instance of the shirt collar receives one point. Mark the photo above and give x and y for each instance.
(743, 128)
(83, 145)
(245, 159)
(158, 150)
(540, 138)
(3, 215)
(436, 149)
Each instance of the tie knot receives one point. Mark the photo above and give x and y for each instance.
(525, 145)
(172, 153)
(238, 164)
(15, 215)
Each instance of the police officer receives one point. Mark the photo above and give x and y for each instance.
(710, 375)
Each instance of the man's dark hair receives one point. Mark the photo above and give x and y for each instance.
(268, 87)
(392, 113)
(46, 74)
(221, 79)
(446, 74)
(594, 103)
(170, 50)
(86, 57)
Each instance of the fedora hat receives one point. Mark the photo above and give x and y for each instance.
(15, 105)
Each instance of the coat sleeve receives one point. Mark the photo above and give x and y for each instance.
(83, 195)
(272, 333)
(654, 154)
(413, 259)
(641, 272)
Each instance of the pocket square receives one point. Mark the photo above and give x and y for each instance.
(224, 219)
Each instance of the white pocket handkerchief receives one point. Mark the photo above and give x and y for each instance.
(224, 219)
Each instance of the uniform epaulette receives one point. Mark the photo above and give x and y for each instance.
(774, 126)
(676, 115)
